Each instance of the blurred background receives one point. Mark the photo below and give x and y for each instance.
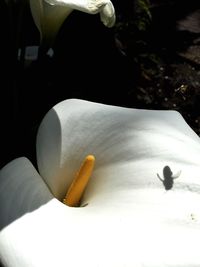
(150, 59)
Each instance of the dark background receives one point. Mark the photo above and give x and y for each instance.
(150, 59)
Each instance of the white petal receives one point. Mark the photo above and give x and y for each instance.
(22, 190)
(49, 15)
(108, 236)
(130, 219)
(130, 146)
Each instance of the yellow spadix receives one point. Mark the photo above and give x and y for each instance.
(77, 188)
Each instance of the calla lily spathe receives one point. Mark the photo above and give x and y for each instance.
(49, 15)
(128, 217)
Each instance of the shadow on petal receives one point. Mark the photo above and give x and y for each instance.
(49, 145)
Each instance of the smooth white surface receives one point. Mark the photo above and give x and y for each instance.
(49, 15)
(130, 219)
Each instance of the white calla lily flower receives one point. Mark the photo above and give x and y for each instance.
(141, 207)
(49, 15)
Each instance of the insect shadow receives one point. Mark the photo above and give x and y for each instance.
(168, 177)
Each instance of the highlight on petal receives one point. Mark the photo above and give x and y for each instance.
(77, 188)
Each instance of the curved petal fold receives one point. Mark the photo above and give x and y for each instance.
(130, 145)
